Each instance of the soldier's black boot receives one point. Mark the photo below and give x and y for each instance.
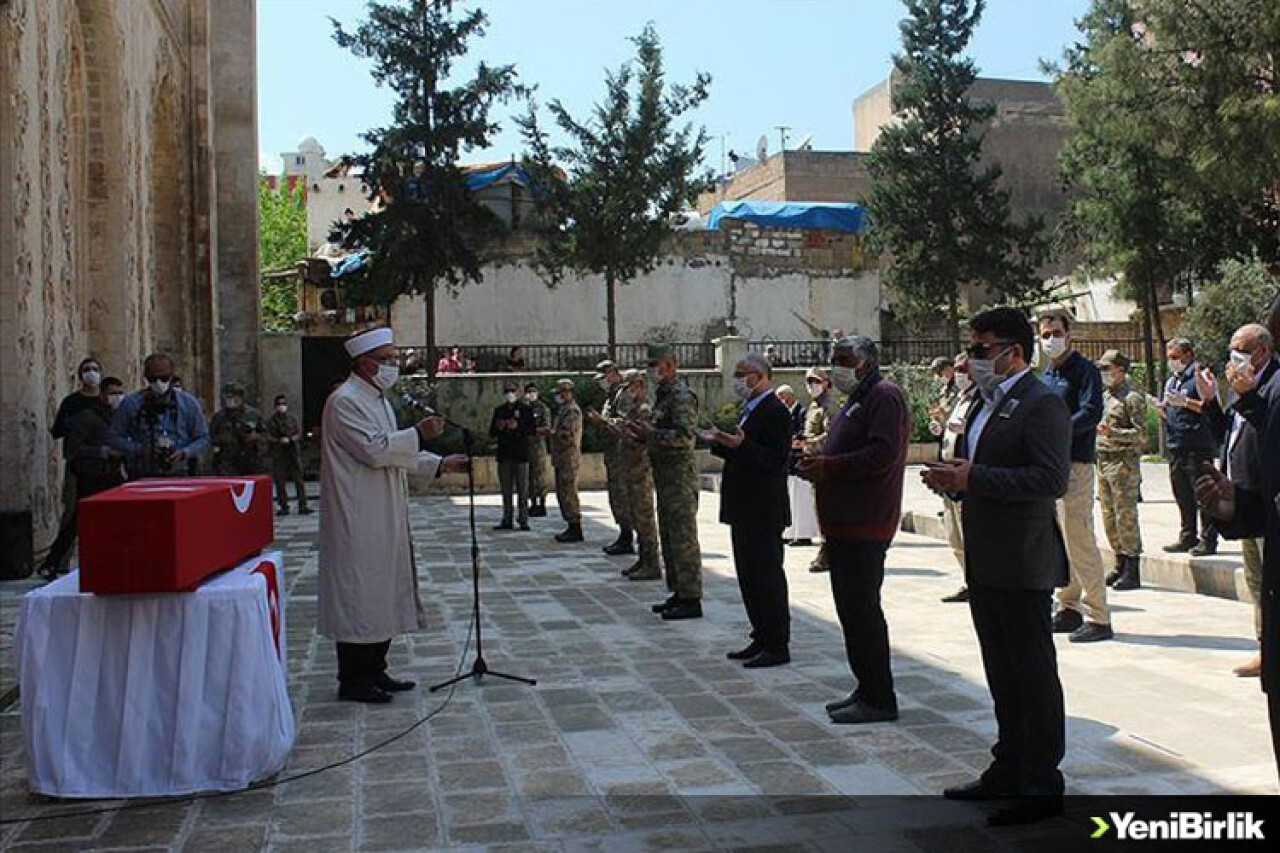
(572, 533)
(621, 545)
(1130, 575)
(1114, 574)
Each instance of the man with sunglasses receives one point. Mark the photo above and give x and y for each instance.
(159, 428)
(1012, 466)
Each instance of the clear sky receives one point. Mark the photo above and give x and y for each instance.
(773, 62)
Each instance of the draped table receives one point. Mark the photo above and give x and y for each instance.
(155, 695)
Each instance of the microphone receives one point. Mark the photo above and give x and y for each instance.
(426, 411)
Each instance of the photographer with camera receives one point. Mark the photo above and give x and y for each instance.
(160, 427)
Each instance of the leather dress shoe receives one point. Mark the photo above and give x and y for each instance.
(860, 712)
(394, 685)
(505, 525)
(1206, 548)
(1252, 669)
(959, 596)
(1065, 621)
(524, 525)
(767, 659)
(1181, 546)
(840, 704)
(683, 608)
(368, 693)
(746, 654)
(801, 543)
(976, 790)
(1091, 632)
(1026, 810)
(663, 605)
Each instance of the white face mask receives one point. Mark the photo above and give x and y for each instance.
(531, 397)
(386, 377)
(963, 381)
(983, 373)
(1240, 359)
(510, 396)
(741, 387)
(1175, 365)
(815, 389)
(654, 376)
(159, 386)
(282, 408)
(1054, 348)
(92, 378)
(604, 385)
(844, 378)
(115, 400)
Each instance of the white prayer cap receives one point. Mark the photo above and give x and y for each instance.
(784, 389)
(368, 341)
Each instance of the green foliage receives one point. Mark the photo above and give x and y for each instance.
(627, 170)
(1239, 295)
(432, 230)
(282, 242)
(920, 387)
(942, 218)
(726, 417)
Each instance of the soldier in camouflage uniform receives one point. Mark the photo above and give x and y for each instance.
(670, 440)
(566, 457)
(825, 405)
(538, 452)
(1122, 435)
(638, 477)
(236, 432)
(616, 403)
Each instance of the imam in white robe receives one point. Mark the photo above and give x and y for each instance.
(368, 583)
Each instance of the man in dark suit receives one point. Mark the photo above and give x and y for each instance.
(1013, 466)
(1241, 461)
(753, 502)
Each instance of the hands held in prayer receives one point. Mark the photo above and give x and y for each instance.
(430, 427)
(1216, 494)
(947, 477)
(456, 463)
(1243, 378)
(715, 435)
(1207, 383)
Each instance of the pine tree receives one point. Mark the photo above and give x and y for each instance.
(941, 218)
(430, 231)
(627, 171)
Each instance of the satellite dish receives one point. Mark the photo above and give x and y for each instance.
(762, 148)
(806, 144)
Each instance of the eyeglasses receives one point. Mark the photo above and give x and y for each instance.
(981, 351)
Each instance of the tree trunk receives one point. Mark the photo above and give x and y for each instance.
(432, 355)
(1147, 351)
(611, 313)
(953, 321)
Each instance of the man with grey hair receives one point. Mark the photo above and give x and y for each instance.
(753, 502)
(1252, 350)
(858, 483)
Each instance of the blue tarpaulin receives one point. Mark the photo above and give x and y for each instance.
(482, 178)
(829, 216)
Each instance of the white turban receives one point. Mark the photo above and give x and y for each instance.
(358, 345)
(784, 389)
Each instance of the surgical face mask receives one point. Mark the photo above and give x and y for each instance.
(844, 378)
(158, 386)
(654, 376)
(233, 402)
(115, 400)
(815, 389)
(741, 387)
(1054, 348)
(92, 378)
(983, 373)
(1240, 359)
(510, 396)
(1175, 365)
(531, 397)
(282, 408)
(963, 381)
(604, 384)
(386, 377)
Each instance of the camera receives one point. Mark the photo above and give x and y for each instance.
(158, 447)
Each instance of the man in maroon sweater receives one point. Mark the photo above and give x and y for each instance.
(858, 484)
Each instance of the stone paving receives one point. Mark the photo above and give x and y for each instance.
(640, 735)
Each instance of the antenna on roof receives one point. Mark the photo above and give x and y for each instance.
(805, 144)
(782, 132)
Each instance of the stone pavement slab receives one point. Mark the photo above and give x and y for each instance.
(641, 736)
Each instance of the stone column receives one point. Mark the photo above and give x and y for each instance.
(729, 351)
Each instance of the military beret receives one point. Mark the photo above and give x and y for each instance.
(604, 367)
(233, 388)
(1114, 357)
(817, 373)
(659, 351)
(564, 384)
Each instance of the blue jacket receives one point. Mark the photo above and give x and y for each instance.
(181, 418)
(1186, 431)
(1079, 383)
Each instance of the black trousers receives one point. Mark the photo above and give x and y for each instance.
(286, 467)
(857, 573)
(757, 560)
(1184, 470)
(87, 485)
(360, 664)
(1016, 635)
(1273, 711)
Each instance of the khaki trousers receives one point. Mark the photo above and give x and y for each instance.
(1252, 549)
(955, 534)
(1087, 591)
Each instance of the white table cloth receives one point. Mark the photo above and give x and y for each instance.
(150, 695)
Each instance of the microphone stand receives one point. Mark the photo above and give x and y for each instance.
(479, 668)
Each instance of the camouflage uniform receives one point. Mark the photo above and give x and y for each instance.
(538, 455)
(283, 437)
(638, 479)
(617, 404)
(817, 420)
(1119, 466)
(675, 480)
(566, 457)
(235, 435)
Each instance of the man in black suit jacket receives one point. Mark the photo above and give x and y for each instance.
(1013, 466)
(754, 503)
